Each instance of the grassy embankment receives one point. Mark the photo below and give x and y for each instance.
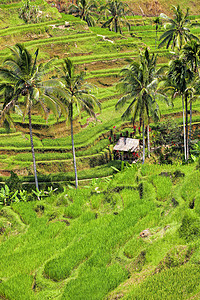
(86, 244)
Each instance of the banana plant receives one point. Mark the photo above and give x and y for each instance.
(6, 196)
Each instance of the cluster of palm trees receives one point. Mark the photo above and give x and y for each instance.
(111, 15)
(22, 85)
(143, 84)
(139, 85)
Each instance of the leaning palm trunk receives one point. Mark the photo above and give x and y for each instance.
(148, 141)
(73, 148)
(184, 138)
(32, 149)
(143, 133)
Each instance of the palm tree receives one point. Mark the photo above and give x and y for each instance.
(177, 30)
(116, 12)
(139, 86)
(193, 93)
(157, 22)
(23, 77)
(85, 9)
(191, 52)
(179, 75)
(73, 92)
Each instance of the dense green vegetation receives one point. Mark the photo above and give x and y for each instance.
(86, 243)
(130, 230)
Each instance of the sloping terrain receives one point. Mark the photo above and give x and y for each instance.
(135, 236)
(98, 52)
(155, 7)
(132, 235)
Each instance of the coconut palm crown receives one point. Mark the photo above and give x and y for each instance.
(116, 12)
(24, 78)
(177, 30)
(138, 83)
(85, 9)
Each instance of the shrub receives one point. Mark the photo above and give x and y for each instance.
(13, 182)
(29, 13)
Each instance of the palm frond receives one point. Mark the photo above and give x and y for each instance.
(123, 100)
(128, 111)
(7, 108)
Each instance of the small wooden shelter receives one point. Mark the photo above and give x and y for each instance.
(127, 148)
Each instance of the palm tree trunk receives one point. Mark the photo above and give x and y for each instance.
(32, 149)
(148, 141)
(73, 148)
(116, 25)
(186, 125)
(190, 132)
(184, 128)
(143, 133)
(156, 39)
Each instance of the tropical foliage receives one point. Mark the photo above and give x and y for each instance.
(177, 31)
(23, 77)
(85, 9)
(130, 228)
(157, 22)
(138, 83)
(30, 13)
(74, 94)
(115, 12)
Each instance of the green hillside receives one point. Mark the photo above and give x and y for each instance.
(134, 236)
(101, 54)
(130, 231)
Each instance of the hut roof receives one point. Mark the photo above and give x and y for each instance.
(127, 144)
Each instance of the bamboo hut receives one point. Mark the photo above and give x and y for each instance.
(127, 149)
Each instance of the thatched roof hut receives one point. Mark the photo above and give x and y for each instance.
(127, 144)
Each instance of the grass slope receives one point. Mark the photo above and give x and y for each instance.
(87, 244)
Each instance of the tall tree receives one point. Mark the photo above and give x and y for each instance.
(115, 12)
(85, 9)
(192, 93)
(177, 29)
(191, 53)
(71, 90)
(23, 76)
(157, 22)
(179, 75)
(138, 83)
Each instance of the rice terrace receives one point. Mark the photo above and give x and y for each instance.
(99, 149)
